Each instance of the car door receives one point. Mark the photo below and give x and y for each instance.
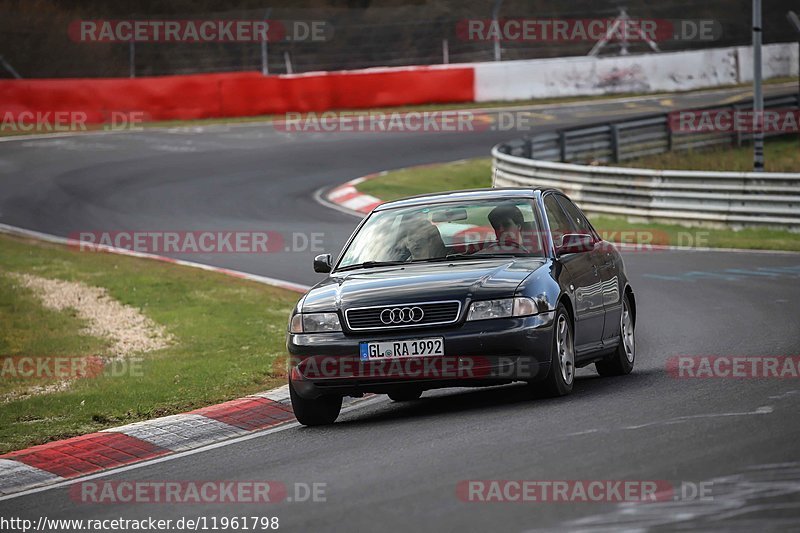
(606, 258)
(586, 287)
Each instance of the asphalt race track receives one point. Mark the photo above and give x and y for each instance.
(395, 467)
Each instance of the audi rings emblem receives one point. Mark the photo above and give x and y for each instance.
(402, 315)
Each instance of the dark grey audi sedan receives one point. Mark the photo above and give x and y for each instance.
(465, 288)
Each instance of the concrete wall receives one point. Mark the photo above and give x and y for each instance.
(583, 76)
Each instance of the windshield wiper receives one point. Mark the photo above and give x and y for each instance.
(371, 264)
(451, 257)
(503, 254)
(455, 257)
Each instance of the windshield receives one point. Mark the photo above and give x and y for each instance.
(438, 232)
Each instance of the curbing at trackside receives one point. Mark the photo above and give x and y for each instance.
(349, 199)
(62, 460)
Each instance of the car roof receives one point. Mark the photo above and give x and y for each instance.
(464, 195)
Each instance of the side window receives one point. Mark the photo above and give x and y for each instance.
(559, 222)
(577, 218)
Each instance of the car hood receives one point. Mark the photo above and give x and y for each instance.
(462, 280)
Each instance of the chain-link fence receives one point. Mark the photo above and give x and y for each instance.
(37, 38)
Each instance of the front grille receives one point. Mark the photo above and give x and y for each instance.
(434, 313)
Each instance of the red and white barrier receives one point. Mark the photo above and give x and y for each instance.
(251, 94)
(237, 94)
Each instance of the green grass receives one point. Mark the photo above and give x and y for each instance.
(229, 340)
(780, 155)
(476, 173)
(468, 174)
(673, 234)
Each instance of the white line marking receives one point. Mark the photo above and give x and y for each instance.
(764, 410)
(47, 237)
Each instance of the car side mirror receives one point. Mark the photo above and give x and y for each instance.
(322, 263)
(575, 243)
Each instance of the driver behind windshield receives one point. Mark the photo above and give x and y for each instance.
(507, 221)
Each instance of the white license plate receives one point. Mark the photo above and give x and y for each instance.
(430, 347)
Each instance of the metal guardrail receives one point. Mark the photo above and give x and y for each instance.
(629, 139)
(712, 198)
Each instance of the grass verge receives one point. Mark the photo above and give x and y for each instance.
(476, 173)
(467, 174)
(780, 155)
(229, 339)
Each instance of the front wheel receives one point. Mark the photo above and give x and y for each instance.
(317, 412)
(621, 361)
(561, 375)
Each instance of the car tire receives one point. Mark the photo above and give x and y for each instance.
(561, 375)
(405, 395)
(315, 412)
(622, 360)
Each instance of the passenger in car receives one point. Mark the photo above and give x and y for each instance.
(423, 240)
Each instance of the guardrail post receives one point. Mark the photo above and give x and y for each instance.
(562, 146)
(614, 143)
(737, 135)
(670, 138)
(528, 148)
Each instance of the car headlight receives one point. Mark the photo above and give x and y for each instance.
(507, 307)
(315, 323)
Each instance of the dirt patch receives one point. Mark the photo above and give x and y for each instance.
(129, 330)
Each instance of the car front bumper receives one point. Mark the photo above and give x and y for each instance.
(479, 353)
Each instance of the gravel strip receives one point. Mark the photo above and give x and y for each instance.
(130, 330)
